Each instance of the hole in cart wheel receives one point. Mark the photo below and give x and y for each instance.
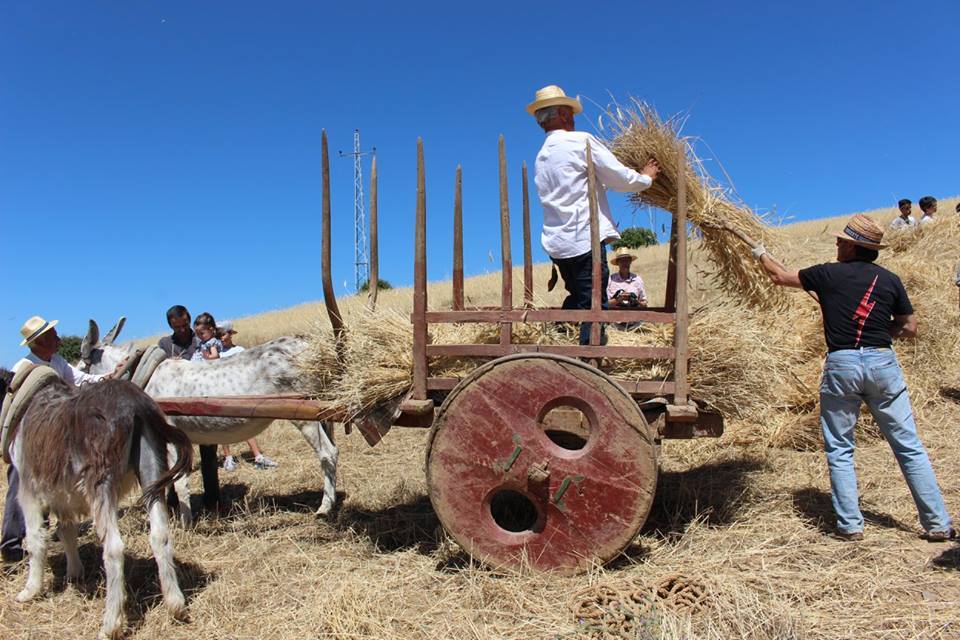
(566, 426)
(513, 511)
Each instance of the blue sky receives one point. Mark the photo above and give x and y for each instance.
(158, 153)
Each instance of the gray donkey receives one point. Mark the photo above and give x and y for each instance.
(78, 452)
(268, 369)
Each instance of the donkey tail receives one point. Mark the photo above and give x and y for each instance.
(168, 434)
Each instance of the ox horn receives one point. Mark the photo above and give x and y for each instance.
(115, 331)
(329, 297)
(90, 341)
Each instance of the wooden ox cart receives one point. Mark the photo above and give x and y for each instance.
(537, 458)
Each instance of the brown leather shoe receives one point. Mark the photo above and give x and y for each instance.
(939, 536)
(851, 536)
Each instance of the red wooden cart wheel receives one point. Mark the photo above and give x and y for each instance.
(542, 461)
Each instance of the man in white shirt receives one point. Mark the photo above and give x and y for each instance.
(561, 179)
(904, 220)
(42, 339)
(928, 205)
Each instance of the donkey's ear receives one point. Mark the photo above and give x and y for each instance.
(90, 341)
(115, 331)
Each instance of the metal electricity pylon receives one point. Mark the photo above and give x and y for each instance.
(361, 261)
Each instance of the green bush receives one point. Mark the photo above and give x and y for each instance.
(382, 285)
(70, 348)
(636, 237)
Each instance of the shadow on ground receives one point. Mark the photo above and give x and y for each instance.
(816, 509)
(140, 576)
(714, 493)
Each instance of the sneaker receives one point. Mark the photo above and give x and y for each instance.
(848, 536)
(939, 536)
(263, 462)
(229, 463)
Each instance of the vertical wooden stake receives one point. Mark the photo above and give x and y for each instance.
(594, 244)
(374, 281)
(680, 339)
(458, 241)
(420, 370)
(507, 263)
(329, 297)
(527, 256)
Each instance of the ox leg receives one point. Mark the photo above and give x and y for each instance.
(109, 532)
(163, 553)
(36, 544)
(68, 536)
(320, 437)
(182, 489)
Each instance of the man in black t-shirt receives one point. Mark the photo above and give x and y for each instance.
(864, 307)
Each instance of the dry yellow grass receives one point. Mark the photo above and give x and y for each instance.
(748, 523)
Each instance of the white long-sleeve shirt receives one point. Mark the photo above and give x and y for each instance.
(67, 372)
(561, 179)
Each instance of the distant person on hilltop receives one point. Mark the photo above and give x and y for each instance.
(561, 179)
(864, 307)
(928, 205)
(904, 220)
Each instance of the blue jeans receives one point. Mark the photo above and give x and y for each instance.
(852, 376)
(577, 274)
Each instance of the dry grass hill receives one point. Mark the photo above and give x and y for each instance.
(743, 529)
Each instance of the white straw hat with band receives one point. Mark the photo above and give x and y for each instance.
(550, 96)
(34, 328)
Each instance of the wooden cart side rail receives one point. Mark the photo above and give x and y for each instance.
(573, 351)
(276, 408)
(548, 315)
(632, 386)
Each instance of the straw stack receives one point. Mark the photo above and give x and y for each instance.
(639, 135)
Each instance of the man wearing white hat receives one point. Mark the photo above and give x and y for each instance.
(561, 179)
(864, 307)
(626, 290)
(41, 337)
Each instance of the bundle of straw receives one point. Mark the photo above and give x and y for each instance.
(639, 135)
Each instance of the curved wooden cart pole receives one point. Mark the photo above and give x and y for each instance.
(374, 281)
(594, 245)
(420, 285)
(506, 300)
(527, 257)
(329, 298)
(458, 241)
(680, 342)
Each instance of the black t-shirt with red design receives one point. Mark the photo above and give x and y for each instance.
(858, 300)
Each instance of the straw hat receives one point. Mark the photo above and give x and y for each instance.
(622, 252)
(34, 328)
(550, 96)
(863, 231)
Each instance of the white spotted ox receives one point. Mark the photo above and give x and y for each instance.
(78, 451)
(267, 369)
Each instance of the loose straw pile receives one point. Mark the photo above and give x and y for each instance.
(639, 135)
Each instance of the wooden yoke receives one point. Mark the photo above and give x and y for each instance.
(594, 245)
(374, 281)
(329, 297)
(506, 300)
(527, 255)
(458, 241)
(420, 285)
